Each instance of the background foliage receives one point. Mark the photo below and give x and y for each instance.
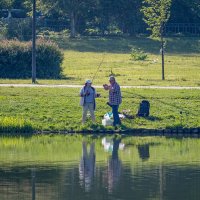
(101, 17)
(16, 59)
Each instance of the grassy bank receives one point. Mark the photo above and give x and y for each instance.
(82, 56)
(58, 109)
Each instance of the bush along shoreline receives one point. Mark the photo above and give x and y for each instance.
(15, 59)
(16, 125)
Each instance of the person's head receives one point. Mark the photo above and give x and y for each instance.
(88, 82)
(112, 79)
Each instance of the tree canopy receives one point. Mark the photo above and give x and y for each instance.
(156, 14)
(108, 16)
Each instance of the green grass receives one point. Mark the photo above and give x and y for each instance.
(180, 69)
(58, 108)
(84, 55)
(27, 109)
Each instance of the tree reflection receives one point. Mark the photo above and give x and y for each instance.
(87, 166)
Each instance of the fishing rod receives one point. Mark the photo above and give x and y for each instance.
(98, 67)
(136, 95)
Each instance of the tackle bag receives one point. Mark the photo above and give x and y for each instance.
(143, 110)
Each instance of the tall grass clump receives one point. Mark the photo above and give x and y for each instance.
(16, 58)
(15, 125)
(138, 55)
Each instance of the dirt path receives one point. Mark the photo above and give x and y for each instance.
(98, 86)
(41, 85)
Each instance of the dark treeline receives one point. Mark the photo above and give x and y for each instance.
(92, 17)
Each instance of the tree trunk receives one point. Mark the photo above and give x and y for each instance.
(163, 61)
(73, 29)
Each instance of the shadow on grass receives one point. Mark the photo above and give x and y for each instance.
(64, 77)
(124, 44)
(171, 106)
(96, 128)
(183, 45)
(152, 118)
(109, 44)
(38, 81)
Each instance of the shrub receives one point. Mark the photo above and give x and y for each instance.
(11, 124)
(45, 33)
(138, 54)
(16, 59)
(92, 31)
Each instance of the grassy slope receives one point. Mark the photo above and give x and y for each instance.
(83, 56)
(58, 108)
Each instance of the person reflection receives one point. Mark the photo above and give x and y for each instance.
(87, 166)
(114, 163)
(143, 151)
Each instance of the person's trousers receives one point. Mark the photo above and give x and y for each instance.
(115, 115)
(86, 107)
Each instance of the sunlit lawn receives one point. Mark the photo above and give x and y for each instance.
(99, 57)
(58, 108)
(180, 69)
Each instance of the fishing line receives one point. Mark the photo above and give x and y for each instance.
(98, 67)
(136, 95)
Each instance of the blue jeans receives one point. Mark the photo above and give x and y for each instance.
(115, 115)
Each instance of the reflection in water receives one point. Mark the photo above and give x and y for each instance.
(114, 163)
(87, 166)
(98, 175)
(143, 151)
(114, 166)
(33, 183)
(108, 144)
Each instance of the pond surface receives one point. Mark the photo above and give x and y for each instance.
(75, 167)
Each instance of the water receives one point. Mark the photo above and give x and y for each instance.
(53, 168)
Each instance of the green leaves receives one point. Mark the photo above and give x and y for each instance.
(156, 14)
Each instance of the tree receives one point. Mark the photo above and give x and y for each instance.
(118, 15)
(127, 15)
(185, 11)
(5, 4)
(156, 14)
(66, 8)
